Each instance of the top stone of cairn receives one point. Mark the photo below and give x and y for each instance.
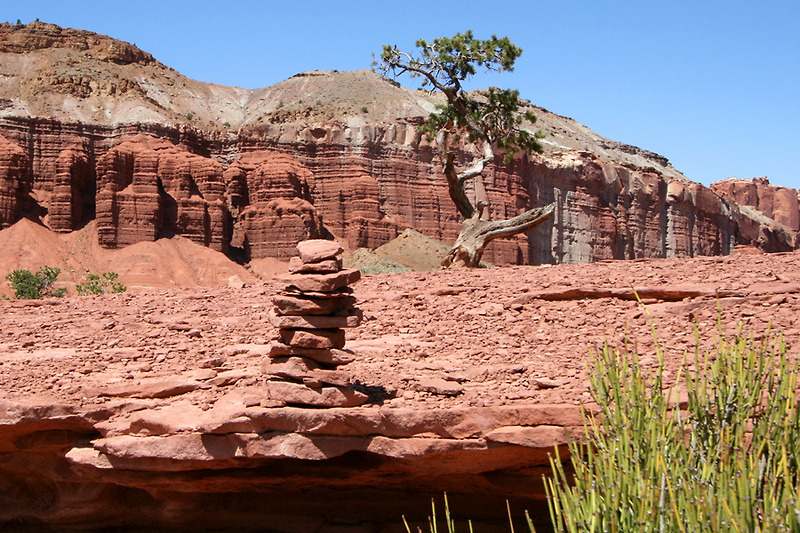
(315, 250)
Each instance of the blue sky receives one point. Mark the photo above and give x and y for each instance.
(711, 85)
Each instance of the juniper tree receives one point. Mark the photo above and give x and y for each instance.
(491, 121)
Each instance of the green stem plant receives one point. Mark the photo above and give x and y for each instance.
(723, 459)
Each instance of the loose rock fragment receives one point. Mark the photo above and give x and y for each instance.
(313, 338)
(299, 394)
(314, 250)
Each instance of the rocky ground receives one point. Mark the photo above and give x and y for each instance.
(147, 408)
(436, 339)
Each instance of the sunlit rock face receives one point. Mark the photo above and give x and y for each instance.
(778, 203)
(96, 128)
(147, 188)
(15, 182)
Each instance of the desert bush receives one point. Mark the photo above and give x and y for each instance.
(727, 462)
(100, 284)
(28, 285)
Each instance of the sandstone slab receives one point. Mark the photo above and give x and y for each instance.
(542, 436)
(326, 266)
(299, 305)
(149, 388)
(436, 385)
(320, 282)
(293, 368)
(294, 393)
(349, 320)
(314, 250)
(313, 338)
(326, 356)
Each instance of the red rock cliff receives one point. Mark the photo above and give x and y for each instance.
(252, 172)
(778, 203)
(15, 182)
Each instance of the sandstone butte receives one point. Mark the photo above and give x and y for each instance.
(147, 409)
(94, 129)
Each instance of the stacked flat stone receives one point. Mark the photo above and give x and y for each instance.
(311, 309)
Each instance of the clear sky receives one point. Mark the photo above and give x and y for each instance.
(711, 85)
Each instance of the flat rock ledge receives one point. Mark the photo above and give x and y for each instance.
(145, 449)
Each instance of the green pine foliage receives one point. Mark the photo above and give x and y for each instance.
(31, 286)
(725, 461)
(493, 116)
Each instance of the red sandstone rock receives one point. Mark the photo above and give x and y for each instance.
(295, 393)
(367, 178)
(436, 385)
(287, 304)
(531, 437)
(71, 203)
(316, 250)
(296, 266)
(15, 182)
(320, 282)
(350, 320)
(313, 338)
(273, 228)
(148, 188)
(324, 355)
(289, 367)
(137, 456)
(149, 388)
(278, 212)
(778, 203)
(305, 370)
(40, 35)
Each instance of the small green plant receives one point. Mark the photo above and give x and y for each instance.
(364, 109)
(30, 286)
(189, 116)
(450, 523)
(727, 460)
(100, 284)
(433, 522)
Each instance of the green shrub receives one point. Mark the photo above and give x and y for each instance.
(30, 286)
(728, 462)
(100, 284)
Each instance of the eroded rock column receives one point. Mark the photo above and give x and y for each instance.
(310, 311)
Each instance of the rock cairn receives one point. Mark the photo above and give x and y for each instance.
(313, 305)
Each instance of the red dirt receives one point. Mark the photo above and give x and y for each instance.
(439, 339)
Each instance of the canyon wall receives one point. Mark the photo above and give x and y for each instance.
(781, 204)
(256, 193)
(94, 128)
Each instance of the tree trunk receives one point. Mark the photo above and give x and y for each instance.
(476, 234)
